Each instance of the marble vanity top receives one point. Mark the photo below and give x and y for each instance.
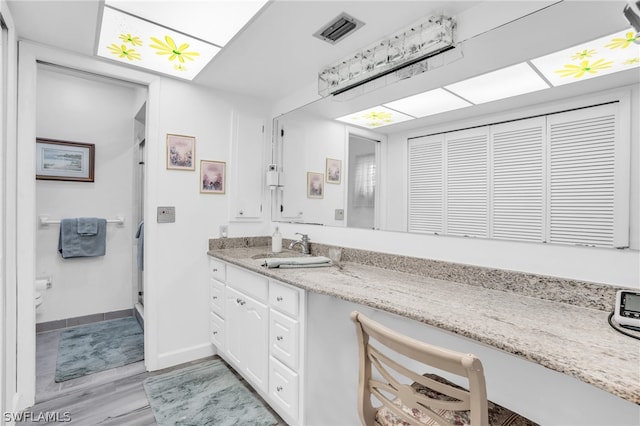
(571, 339)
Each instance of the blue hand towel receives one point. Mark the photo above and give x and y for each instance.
(140, 237)
(87, 225)
(73, 244)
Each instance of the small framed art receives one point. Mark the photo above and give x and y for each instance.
(334, 170)
(181, 152)
(213, 177)
(315, 185)
(61, 160)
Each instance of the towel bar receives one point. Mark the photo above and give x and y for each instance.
(44, 221)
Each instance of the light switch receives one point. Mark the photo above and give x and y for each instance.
(166, 214)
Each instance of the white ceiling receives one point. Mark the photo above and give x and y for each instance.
(275, 56)
(272, 57)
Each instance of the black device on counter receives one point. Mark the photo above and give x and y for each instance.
(627, 310)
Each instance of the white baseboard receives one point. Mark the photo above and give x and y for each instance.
(169, 359)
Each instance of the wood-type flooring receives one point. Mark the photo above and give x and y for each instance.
(112, 397)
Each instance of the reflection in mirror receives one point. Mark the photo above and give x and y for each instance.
(303, 145)
(361, 193)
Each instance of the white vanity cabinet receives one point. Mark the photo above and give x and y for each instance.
(257, 325)
(286, 337)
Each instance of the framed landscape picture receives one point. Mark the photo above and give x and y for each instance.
(181, 152)
(61, 160)
(334, 170)
(315, 185)
(213, 177)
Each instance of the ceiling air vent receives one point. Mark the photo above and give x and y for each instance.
(338, 28)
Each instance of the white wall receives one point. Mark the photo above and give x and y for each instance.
(77, 109)
(176, 262)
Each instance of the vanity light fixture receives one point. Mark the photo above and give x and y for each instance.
(424, 39)
(152, 35)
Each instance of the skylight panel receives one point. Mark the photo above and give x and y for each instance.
(503, 83)
(126, 38)
(605, 55)
(375, 117)
(428, 103)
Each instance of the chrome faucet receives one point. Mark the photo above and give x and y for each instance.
(304, 243)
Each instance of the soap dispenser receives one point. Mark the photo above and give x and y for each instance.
(276, 241)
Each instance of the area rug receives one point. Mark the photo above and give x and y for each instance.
(99, 346)
(208, 393)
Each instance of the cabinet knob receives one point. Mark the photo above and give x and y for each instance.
(215, 269)
(215, 332)
(279, 298)
(279, 338)
(240, 302)
(214, 297)
(279, 388)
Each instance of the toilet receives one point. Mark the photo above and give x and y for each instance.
(38, 299)
(40, 285)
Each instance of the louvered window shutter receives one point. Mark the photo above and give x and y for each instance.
(426, 192)
(518, 179)
(582, 178)
(467, 182)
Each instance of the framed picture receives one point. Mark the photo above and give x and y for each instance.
(181, 152)
(334, 170)
(61, 160)
(213, 176)
(315, 185)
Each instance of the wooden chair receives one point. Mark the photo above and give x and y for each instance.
(430, 399)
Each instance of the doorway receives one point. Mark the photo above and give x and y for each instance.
(362, 181)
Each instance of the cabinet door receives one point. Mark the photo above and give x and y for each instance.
(247, 325)
(234, 320)
(248, 171)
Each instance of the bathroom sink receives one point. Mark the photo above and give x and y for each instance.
(283, 253)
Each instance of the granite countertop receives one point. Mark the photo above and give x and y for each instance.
(573, 340)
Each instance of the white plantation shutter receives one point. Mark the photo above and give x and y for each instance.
(561, 178)
(426, 181)
(518, 179)
(467, 182)
(582, 177)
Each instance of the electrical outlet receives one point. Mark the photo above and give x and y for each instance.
(223, 231)
(166, 214)
(339, 214)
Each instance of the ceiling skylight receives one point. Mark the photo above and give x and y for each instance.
(428, 103)
(373, 118)
(155, 35)
(503, 83)
(213, 21)
(605, 55)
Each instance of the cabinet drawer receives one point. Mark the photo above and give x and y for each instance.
(216, 297)
(250, 284)
(284, 339)
(217, 269)
(216, 331)
(284, 298)
(283, 389)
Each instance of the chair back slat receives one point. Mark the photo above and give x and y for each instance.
(390, 391)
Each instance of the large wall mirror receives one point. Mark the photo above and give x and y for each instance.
(307, 138)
